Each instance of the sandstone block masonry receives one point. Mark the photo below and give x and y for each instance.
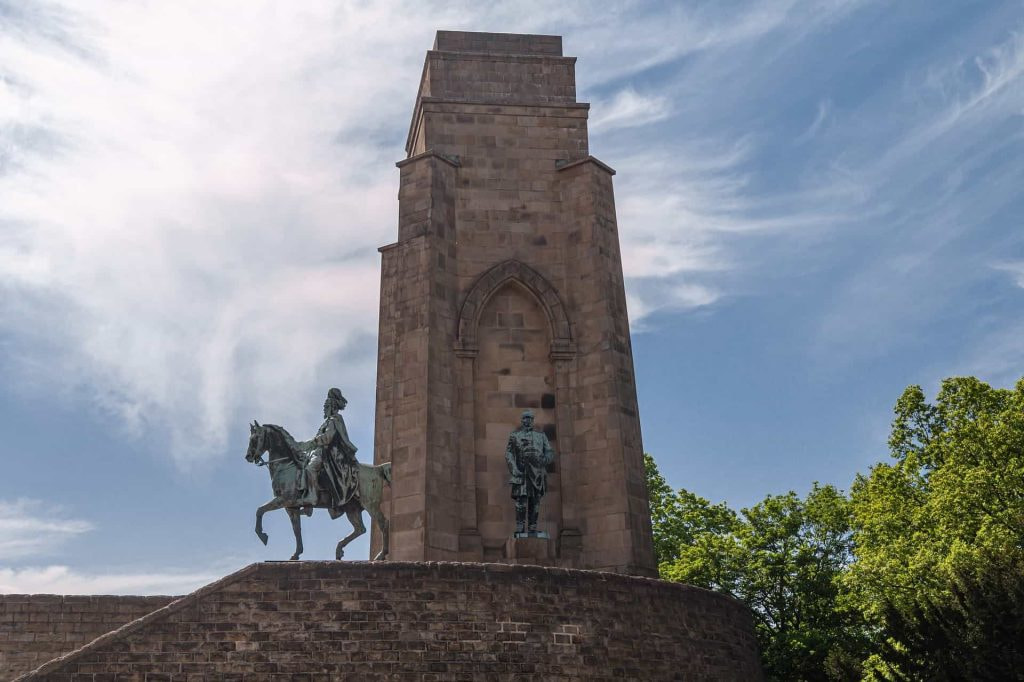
(503, 292)
(35, 628)
(320, 621)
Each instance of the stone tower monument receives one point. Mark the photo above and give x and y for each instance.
(504, 292)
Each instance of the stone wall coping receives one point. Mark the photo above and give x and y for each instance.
(501, 57)
(362, 568)
(452, 161)
(527, 570)
(138, 624)
(503, 43)
(491, 103)
(46, 597)
(588, 159)
(395, 245)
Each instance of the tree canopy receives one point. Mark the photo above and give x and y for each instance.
(782, 557)
(974, 633)
(953, 494)
(917, 574)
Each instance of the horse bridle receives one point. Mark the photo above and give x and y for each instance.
(258, 461)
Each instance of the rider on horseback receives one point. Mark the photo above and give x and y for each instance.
(330, 445)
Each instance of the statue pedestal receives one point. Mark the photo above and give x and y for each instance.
(530, 548)
(532, 534)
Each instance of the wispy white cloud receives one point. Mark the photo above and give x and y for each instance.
(1014, 269)
(647, 297)
(896, 174)
(974, 85)
(215, 199)
(939, 177)
(32, 528)
(690, 224)
(691, 212)
(193, 193)
(820, 119)
(628, 109)
(996, 355)
(629, 38)
(60, 579)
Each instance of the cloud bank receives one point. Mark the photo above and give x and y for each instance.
(192, 199)
(59, 579)
(32, 531)
(192, 194)
(29, 527)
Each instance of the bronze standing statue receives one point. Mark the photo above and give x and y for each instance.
(320, 473)
(528, 455)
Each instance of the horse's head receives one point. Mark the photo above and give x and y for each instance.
(257, 442)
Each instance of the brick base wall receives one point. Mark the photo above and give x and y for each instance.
(319, 621)
(36, 628)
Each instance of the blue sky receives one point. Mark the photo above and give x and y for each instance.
(819, 204)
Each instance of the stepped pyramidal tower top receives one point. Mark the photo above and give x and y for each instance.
(504, 292)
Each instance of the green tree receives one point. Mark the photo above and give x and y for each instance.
(953, 495)
(976, 634)
(694, 540)
(782, 558)
(925, 523)
(922, 565)
(795, 552)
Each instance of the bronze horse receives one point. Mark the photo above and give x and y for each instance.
(286, 462)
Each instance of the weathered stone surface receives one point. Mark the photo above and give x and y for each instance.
(35, 628)
(536, 551)
(504, 291)
(320, 621)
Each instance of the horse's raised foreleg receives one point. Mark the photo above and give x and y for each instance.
(275, 503)
(355, 517)
(378, 518)
(293, 514)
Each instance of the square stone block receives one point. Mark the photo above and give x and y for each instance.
(535, 550)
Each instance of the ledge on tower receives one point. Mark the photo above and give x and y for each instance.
(498, 43)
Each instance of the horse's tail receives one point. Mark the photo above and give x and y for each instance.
(371, 482)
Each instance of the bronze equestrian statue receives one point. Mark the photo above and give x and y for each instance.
(320, 473)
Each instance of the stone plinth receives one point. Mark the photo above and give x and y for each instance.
(396, 621)
(531, 534)
(530, 550)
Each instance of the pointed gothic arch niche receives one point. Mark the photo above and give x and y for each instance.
(514, 331)
(487, 284)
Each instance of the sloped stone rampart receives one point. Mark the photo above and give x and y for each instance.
(318, 621)
(36, 628)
